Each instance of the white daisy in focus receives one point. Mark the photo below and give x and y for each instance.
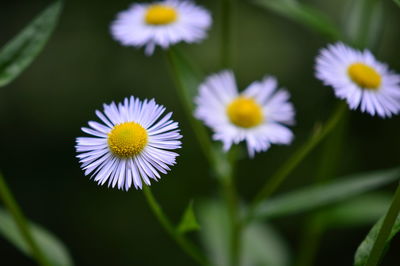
(133, 144)
(258, 115)
(162, 23)
(360, 79)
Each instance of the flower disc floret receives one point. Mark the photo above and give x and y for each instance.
(160, 15)
(127, 139)
(365, 76)
(245, 112)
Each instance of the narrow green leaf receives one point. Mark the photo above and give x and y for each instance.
(18, 53)
(188, 222)
(303, 14)
(214, 231)
(363, 210)
(365, 247)
(53, 249)
(397, 2)
(311, 198)
(261, 244)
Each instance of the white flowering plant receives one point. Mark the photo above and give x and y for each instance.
(136, 142)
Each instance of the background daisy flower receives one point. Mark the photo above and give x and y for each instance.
(257, 115)
(132, 144)
(162, 23)
(360, 79)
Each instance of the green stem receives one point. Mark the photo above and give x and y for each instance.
(226, 33)
(20, 220)
(312, 234)
(228, 179)
(283, 172)
(232, 202)
(180, 239)
(186, 101)
(365, 23)
(315, 227)
(384, 232)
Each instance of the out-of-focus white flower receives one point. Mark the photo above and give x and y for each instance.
(360, 79)
(257, 115)
(162, 23)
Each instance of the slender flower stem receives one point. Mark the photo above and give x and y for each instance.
(22, 224)
(226, 33)
(314, 227)
(228, 180)
(309, 243)
(232, 202)
(283, 172)
(186, 245)
(187, 103)
(365, 22)
(385, 230)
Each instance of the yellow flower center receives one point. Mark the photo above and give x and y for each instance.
(365, 76)
(127, 139)
(160, 15)
(245, 112)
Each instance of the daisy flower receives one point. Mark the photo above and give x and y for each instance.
(257, 115)
(133, 144)
(162, 23)
(360, 79)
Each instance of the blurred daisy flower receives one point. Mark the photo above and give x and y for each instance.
(162, 23)
(257, 115)
(131, 145)
(360, 79)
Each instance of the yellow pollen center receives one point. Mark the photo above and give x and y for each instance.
(245, 112)
(160, 15)
(127, 139)
(365, 76)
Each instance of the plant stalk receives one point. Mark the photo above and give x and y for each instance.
(187, 246)
(286, 169)
(226, 33)
(21, 222)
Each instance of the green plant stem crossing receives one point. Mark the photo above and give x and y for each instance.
(12, 206)
(179, 238)
(283, 172)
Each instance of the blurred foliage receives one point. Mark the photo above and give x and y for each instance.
(322, 195)
(51, 246)
(261, 244)
(82, 67)
(16, 55)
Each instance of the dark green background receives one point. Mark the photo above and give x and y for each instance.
(81, 68)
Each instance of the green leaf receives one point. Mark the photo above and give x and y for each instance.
(261, 244)
(318, 196)
(188, 222)
(365, 247)
(363, 210)
(397, 2)
(303, 14)
(18, 53)
(53, 249)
